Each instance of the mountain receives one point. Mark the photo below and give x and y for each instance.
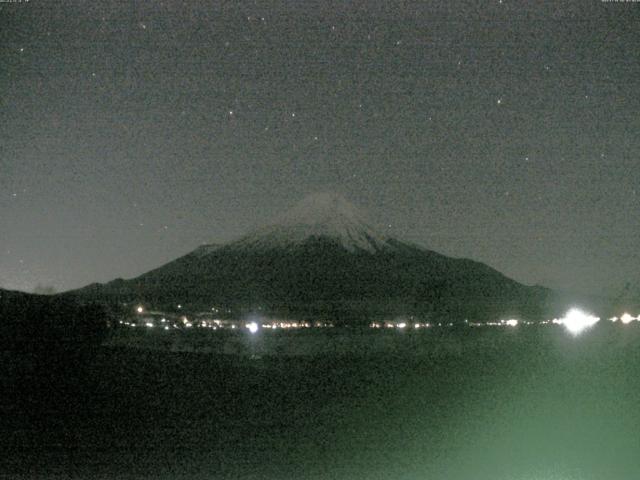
(325, 216)
(323, 259)
(629, 296)
(49, 324)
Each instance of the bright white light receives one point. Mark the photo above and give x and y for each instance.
(149, 324)
(402, 325)
(626, 318)
(576, 321)
(253, 327)
(140, 309)
(511, 323)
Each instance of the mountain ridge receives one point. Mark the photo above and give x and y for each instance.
(322, 258)
(319, 215)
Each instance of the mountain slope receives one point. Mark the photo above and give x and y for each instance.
(323, 259)
(48, 324)
(318, 216)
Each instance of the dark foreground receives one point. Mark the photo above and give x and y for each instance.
(532, 404)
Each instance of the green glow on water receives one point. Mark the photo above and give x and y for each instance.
(479, 404)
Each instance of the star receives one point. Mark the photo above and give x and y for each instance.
(499, 102)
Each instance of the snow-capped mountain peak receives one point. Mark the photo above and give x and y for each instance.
(206, 249)
(324, 215)
(320, 208)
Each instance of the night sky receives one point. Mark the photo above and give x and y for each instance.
(503, 131)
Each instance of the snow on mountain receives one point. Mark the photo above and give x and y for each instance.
(325, 215)
(204, 250)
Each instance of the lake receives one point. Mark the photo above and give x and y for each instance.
(530, 403)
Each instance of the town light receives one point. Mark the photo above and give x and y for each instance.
(626, 318)
(576, 321)
(253, 327)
